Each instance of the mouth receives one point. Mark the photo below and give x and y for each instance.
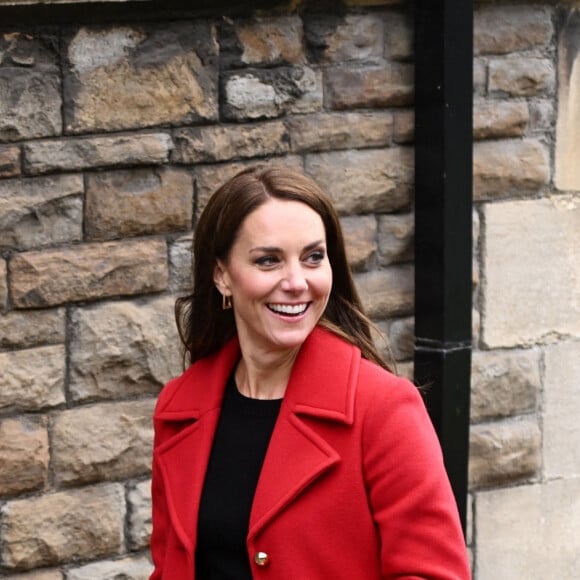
(289, 309)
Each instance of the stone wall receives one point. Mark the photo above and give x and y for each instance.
(112, 138)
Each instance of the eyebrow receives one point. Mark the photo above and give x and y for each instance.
(274, 249)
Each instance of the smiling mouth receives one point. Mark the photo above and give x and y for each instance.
(289, 309)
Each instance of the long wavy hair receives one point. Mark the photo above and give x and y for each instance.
(203, 325)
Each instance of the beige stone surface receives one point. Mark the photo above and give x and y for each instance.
(401, 333)
(3, 284)
(568, 124)
(531, 269)
(355, 87)
(122, 349)
(542, 116)
(360, 239)
(40, 212)
(404, 127)
(504, 451)
(399, 35)
(22, 329)
(396, 238)
(505, 29)
(561, 410)
(387, 292)
(530, 531)
(208, 178)
(504, 383)
(30, 102)
(479, 76)
(139, 498)
(138, 202)
(40, 575)
(180, 265)
(509, 168)
(90, 152)
(87, 272)
(23, 454)
(63, 526)
(271, 40)
(522, 77)
(135, 568)
(339, 131)
(268, 93)
(493, 119)
(32, 379)
(363, 181)
(345, 38)
(102, 442)
(9, 161)
(224, 142)
(124, 77)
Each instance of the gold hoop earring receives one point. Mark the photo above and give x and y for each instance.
(226, 302)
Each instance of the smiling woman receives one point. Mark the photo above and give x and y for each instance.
(287, 448)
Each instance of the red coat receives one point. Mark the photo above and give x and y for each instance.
(352, 486)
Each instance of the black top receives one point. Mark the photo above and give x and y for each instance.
(241, 439)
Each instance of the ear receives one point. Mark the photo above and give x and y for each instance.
(221, 278)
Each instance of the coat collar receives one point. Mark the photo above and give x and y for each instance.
(321, 383)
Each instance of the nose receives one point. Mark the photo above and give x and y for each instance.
(293, 279)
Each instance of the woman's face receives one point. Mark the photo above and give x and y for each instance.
(278, 275)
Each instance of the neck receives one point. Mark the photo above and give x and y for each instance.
(265, 376)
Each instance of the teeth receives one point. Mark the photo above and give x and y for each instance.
(288, 308)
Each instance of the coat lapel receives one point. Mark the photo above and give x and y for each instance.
(322, 387)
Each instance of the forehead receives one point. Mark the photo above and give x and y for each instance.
(283, 219)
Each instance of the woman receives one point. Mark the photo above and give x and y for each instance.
(287, 450)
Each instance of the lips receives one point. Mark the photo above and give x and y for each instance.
(289, 309)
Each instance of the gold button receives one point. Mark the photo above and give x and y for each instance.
(261, 558)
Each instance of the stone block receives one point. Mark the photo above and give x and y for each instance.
(136, 202)
(371, 87)
(386, 293)
(496, 119)
(32, 379)
(209, 178)
(339, 38)
(404, 127)
(271, 41)
(504, 383)
(139, 504)
(396, 238)
(530, 531)
(92, 152)
(568, 125)
(88, 272)
(39, 575)
(123, 77)
(29, 48)
(9, 161)
(509, 168)
(360, 239)
(531, 273)
(506, 29)
(181, 265)
(269, 93)
(401, 333)
(479, 76)
(522, 77)
(399, 39)
(339, 131)
(30, 103)
(542, 116)
(62, 527)
(22, 329)
(364, 181)
(41, 212)
(505, 451)
(3, 284)
(23, 454)
(561, 409)
(102, 442)
(135, 568)
(123, 348)
(224, 142)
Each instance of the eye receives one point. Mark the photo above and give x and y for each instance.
(316, 257)
(267, 261)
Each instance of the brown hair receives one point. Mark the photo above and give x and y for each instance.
(203, 325)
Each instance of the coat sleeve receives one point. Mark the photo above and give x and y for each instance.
(409, 492)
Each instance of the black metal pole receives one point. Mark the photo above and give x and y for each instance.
(443, 224)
